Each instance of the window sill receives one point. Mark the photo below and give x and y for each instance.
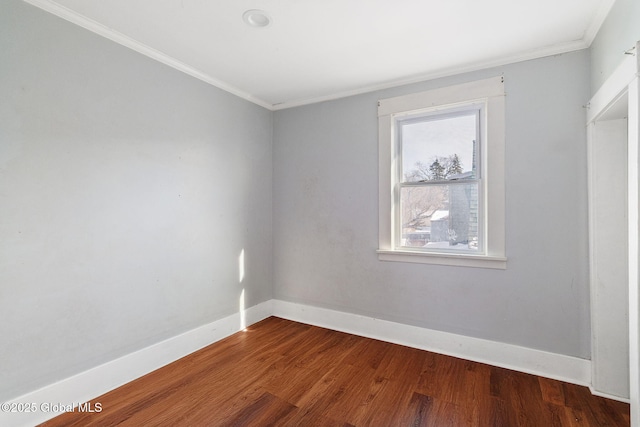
(460, 260)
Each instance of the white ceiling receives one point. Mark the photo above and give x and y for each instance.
(323, 49)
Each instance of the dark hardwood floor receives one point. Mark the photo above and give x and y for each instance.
(284, 373)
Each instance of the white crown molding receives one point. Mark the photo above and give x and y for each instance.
(113, 35)
(597, 21)
(557, 49)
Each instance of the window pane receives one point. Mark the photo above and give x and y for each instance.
(440, 216)
(439, 147)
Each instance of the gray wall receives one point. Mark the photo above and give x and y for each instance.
(127, 191)
(619, 32)
(326, 219)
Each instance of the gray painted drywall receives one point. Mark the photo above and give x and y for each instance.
(619, 33)
(326, 221)
(127, 192)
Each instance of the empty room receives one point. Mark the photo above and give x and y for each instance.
(297, 213)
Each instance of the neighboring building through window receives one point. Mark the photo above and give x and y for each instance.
(439, 179)
(442, 176)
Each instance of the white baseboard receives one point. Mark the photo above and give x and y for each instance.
(95, 382)
(90, 384)
(550, 365)
(609, 396)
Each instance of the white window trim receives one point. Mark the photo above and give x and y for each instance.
(491, 91)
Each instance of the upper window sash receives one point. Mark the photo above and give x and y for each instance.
(441, 113)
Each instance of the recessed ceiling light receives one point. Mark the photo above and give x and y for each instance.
(256, 18)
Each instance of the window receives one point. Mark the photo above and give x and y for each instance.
(442, 176)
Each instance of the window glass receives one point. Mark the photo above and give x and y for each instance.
(443, 216)
(439, 197)
(438, 147)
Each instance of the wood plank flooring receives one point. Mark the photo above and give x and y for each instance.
(282, 373)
